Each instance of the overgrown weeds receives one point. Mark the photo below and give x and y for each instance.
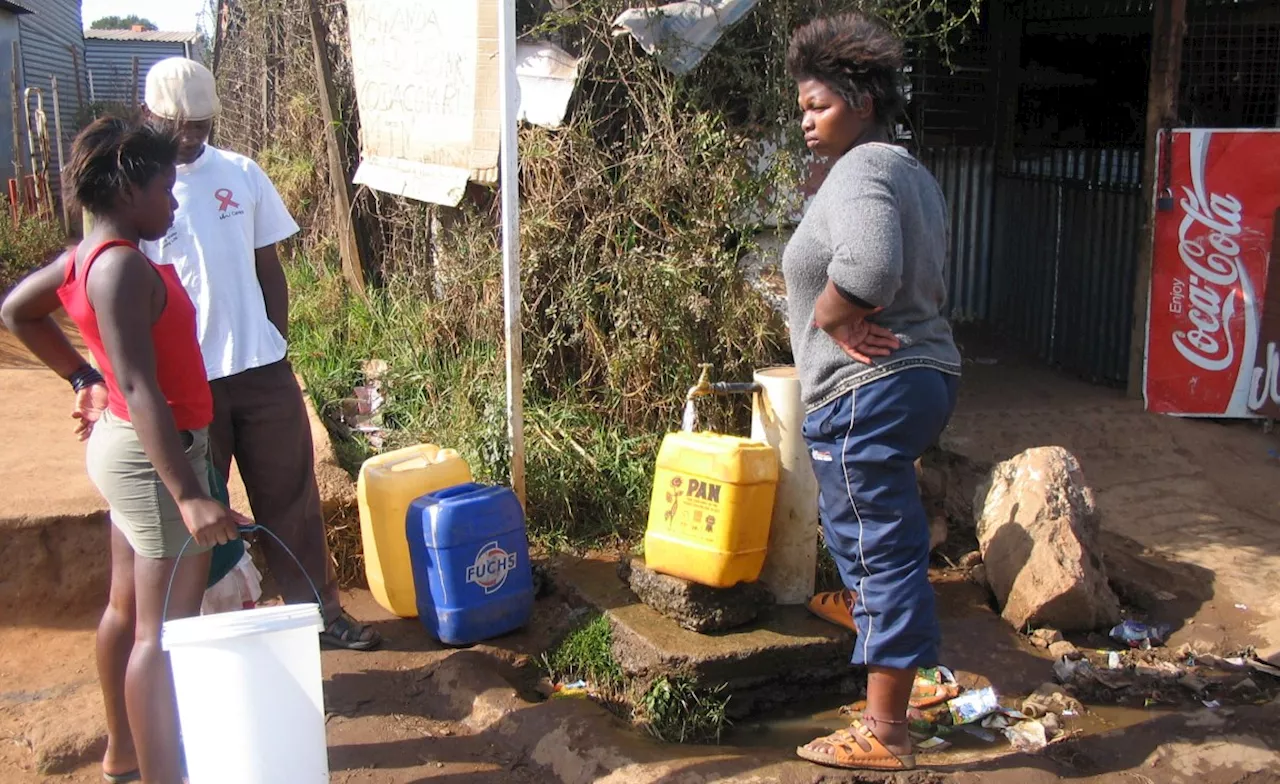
(26, 246)
(635, 218)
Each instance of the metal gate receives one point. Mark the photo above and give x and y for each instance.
(1045, 250)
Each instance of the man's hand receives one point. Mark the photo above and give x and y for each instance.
(863, 340)
(91, 402)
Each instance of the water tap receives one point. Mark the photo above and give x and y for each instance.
(706, 387)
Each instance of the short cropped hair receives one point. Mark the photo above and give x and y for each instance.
(112, 154)
(855, 56)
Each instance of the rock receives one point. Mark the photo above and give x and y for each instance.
(970, 559)
(1043, 638)
(696, 607)
(1038, 534)
(978, 576)
(937, 532)
(1063, 649)
(1193, 684)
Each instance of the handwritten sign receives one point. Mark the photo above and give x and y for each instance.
(426, 77)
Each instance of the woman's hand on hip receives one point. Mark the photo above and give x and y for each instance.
(863, 340)
(90, 403)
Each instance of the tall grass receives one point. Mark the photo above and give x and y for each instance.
(26, 246)
(635, 217)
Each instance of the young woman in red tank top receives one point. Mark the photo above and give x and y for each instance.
(145, 417)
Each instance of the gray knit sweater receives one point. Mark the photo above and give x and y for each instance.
(877, 228)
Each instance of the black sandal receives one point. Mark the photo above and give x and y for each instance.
(349, 634)
(122, 778)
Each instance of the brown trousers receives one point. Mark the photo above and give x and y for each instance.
(260, 420)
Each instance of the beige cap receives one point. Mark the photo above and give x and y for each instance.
(182, 89)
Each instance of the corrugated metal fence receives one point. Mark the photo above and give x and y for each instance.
(1045, 249)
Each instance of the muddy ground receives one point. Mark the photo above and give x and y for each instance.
(1191, 520)
(415, 712)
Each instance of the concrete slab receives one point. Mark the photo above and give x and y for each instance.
(784, 658)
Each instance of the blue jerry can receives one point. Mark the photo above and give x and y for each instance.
(470, 556)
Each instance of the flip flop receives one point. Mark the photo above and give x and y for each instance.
(122, 778)
(855, 748)
(834, 607)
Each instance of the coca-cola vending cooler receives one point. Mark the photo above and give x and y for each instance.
(1213, 322)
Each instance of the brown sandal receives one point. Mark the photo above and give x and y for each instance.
(855, 748)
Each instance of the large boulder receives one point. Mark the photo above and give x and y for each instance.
(1038, 533)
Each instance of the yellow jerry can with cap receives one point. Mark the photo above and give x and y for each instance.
(711, 508)
(388, 483)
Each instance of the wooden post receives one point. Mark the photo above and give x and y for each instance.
(1167, 32)
(509, 182)
(57, 130)
(19, 142)
(1007, 28)
(348, 244)
(75, 64)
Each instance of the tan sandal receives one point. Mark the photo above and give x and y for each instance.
(855, 748)
(834, 607)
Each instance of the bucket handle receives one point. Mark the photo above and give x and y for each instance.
(243, 529)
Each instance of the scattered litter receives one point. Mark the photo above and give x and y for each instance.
(1241, 607)
(1139, 635)
(997, 721)
(362, 412)
(1247, 684)
(681, 33)
(1070, 713)
(1043, 638)
(985, 735)
(1211, 704)
(1227, 664)
(1069, 670)
(1192, 683)
(576, 689)
(932, 745)
(933, 686)
(973, 706)
(1049, 699)
(1113, 660)
(1264, 667)
(1027, 736)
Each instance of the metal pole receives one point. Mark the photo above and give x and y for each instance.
(510, 197)
(57, 130)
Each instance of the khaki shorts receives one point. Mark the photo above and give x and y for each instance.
(141, 506)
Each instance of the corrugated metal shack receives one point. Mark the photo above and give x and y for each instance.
(51, 44)
(1037, 130)
(115, 58)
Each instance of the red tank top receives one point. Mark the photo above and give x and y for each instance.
(179, 365)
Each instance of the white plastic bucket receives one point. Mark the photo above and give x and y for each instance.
(250, 695)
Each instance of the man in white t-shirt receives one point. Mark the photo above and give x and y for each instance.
(223, 245)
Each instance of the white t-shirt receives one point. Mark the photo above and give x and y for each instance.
(227, 208)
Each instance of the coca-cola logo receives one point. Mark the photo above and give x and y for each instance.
(1209, 245)
(1208, 248)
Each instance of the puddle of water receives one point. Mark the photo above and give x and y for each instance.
(801, 724)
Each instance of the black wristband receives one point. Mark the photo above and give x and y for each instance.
(85, 376)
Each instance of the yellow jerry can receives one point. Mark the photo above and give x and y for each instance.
(711, 508)
(388, 483)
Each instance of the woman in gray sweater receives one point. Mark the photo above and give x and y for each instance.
(866, 284)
